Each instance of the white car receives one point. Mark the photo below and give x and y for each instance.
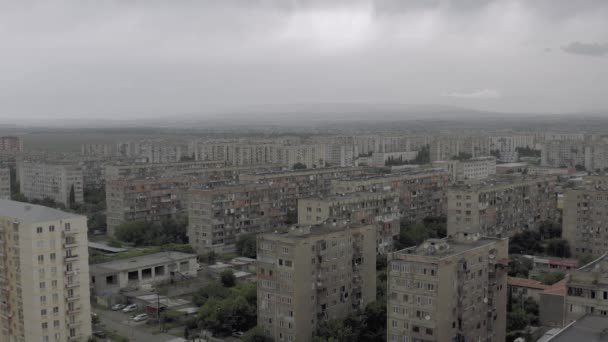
(117, 307)
(130, 308)
(140, 317)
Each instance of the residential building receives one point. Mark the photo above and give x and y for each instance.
(312, 155)
(590, 328)
(563, 153)
(134, 171)
(150, 199)
(583, 224)
(341, 155)
(475, 168)
(238, 153)
(307, 275)
(587, 290)
(11, 144)
(152, 151)
(41, 180)
(376, 208)
(546, 264)
(96, 150)
(446, 147)
(109, 278)
(509, 168)
(551, 305)
(217, 216)
(421, 193)
(5, 183)
(452, 289)
(502, 206)
(522, 288)
(44, 274)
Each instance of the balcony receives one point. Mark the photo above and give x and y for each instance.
(69, 258)
(74, 324)
(72, 285)
(72, 297)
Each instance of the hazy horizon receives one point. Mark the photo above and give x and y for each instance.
(117, 61)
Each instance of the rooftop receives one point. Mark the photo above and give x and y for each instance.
(447, 247)
(558, 289)
(496, 181)
(31, 213)
(525, 282)
(139, 262)
(308, 231)
(588, 328)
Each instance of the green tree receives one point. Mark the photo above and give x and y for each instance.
(550, 278)
(558, 247)
(227, 278)
(72, 199)
(19, 197)
(299, 166)
(462, 156)
(423, 156)
(550, 230)
(520, 266)
(143, 233)
(246, 245)
(256, 335)
(527, 242)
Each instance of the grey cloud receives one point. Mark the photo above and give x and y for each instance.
(587, 49)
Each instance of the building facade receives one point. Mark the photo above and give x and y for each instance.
(502, 206)
(41, 180)
(379, 209)
(587, 290)
(11, 144)
(5, 183)
(452, 289)
(583, 222)
(44, 274)
(308, 275)
(421, 193)
(475, 168)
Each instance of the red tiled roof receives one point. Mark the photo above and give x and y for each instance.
(525, 282)
(558, 288)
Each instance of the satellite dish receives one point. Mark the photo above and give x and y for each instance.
(427, 317)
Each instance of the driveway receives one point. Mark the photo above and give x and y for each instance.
(124, 326)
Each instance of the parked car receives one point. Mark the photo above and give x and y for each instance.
(99, 333)
(238, 334)
(117, 307)
(130, 308)
(140, 317)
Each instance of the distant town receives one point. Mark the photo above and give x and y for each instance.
(379, 235)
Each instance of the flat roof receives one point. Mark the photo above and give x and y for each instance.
(588, 328)
(32, 213)
(446, 247)
(106, 248)
(139, 262)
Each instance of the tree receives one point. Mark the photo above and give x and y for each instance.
(520, 266)
(423, 156)
(72, 199)
(299, 166)
(559, 248)
(550, 230)
(550, 278)
(246, 245)
(143, 233)
(256, 335)
(414, 234)
(527, 242)
(462, 156)
(19, 197)
(234, 309)
(227, 278)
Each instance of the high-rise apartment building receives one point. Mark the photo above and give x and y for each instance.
(307, 275)
(421, 193)
(563, 153)
(587, 290)
(379, 209)
(584, 224)
(475, 168)
(44, 274)
(262, 201)
(11, 144)
(41, 180)
(151, 199)
(502, 206)
(96, 150)
(5, 183)
(452, 289)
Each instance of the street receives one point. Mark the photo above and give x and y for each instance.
(124, 326)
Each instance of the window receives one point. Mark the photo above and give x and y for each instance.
(41, 259)
(43, 312)
(40, 244)
(67, 227)
(53, 257)
(54, 284)
(39, 230)
(56, 324)
(45, 325)
(51, 229)
(43, 285)
(43, 300)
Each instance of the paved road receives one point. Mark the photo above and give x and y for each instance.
(124, 326)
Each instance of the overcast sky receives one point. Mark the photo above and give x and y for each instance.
(134, 59)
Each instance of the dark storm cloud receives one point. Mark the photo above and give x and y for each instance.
(587, 49)
(134, 59)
